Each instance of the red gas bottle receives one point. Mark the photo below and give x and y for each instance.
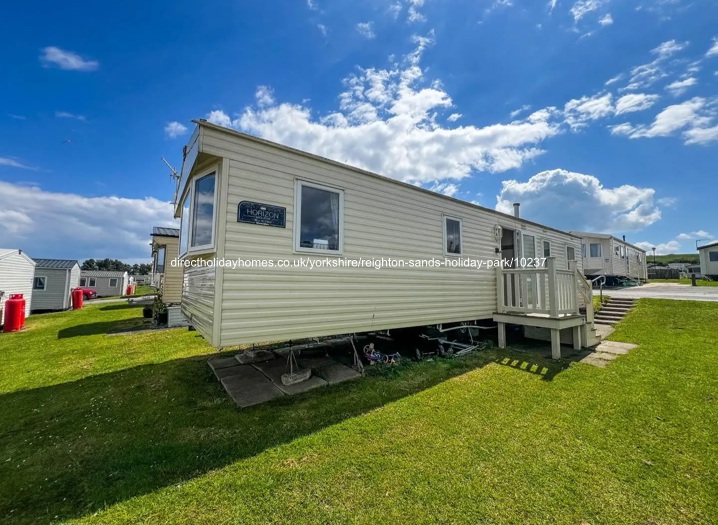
(128, 291)
(77, 298)
(14, 313)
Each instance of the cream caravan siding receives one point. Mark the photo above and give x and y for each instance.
(708, 267)
(17, 271)
(170, 282)
(381, 219)
(58, 285)
(198, 300)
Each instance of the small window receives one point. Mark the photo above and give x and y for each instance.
(595, 249)
(529, 246)
(570, 253)
(319, 219)
(202, 227)
(160, 259)
(623, 252)
(39, 283)
(713, 256)
(452, 236)
(91, 282)
(583, 251)
(546, 249)
(184, 226)
(113, 282)
(83, 281)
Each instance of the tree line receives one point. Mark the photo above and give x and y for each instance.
(115, 265)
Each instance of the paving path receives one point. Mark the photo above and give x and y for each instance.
(679, 292)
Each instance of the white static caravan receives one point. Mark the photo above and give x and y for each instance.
(244, 198)
(54, 281)
(604, 254)
(17, 271)
(708, 257)
(166, 276)
(105, 283)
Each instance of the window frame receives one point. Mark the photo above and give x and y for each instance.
(117, 282)
(190, 194)
(297, 230)
(600, 250)
(92, 282)
(160, 248)
(569, 259)
(710, 259)
(546, 243)
(83, 281)
(44, 283)
(446, 218)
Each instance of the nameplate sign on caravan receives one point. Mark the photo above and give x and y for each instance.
(264, 214)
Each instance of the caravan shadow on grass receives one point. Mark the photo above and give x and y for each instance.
(78, 447)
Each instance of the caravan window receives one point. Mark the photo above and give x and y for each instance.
(595, 249)
(529, 246)
(452, 236)
(319, 221)
(202, 225)
(113, 282)
(39, 283)
(570, 253)
(184, 227)
(83, 281)
(713, 256)
(160, 260)
(623, 252)
(583, 251)
(546, 249)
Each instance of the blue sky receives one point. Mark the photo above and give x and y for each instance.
(594, 114)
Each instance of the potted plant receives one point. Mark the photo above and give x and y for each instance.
(159, 309)
(147, 312)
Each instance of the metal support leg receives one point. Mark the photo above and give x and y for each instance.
(577, 337)
(555, 343)
(502, 335)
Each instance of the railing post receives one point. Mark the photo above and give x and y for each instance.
(552, 291)
(499, 290)
(574, 286)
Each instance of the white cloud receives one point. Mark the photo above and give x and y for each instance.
(17, 117)
(388, 122)
(65, 114)
(700, 234)
(579, 112)
(46, 224)
(312, 5)
(613, 80)
(607, 20)
(690, 115)
(665, 248)
(680, 86)
(713, 51)
(635, 102)
(175, 129)
(448, 188)
(515, 113)
(264, 96)
(366, 29)
(574, 201)
(14, 163)
(552, 5)
(669, 48)
(454, 117)
(322, 29)
(584, 7)
(413, 14)
(56, 57)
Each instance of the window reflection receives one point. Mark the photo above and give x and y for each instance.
(203, 214)
(319, 219)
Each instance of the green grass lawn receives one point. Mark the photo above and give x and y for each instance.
(699, 282)
(134, 429)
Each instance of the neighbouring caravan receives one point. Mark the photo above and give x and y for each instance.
(17, 271)
(280, 244)
(708, 257)
(167, 277)
(53, 284)
(105, 283)
(604, 254)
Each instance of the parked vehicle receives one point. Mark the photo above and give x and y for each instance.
(88, 293)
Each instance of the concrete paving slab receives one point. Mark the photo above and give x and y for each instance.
(274, 370)
(217, 363)
(592, 360)
(235, 370)
(338, 373)
(315, 362)
(254, 356)
(250, 387)
(615, 347)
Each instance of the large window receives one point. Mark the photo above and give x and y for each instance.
(713, 256)
(319, 219)
(570, 253)
(160, 259)
(452, 236)
(39, 283)
(595, 249)
(202, 224)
